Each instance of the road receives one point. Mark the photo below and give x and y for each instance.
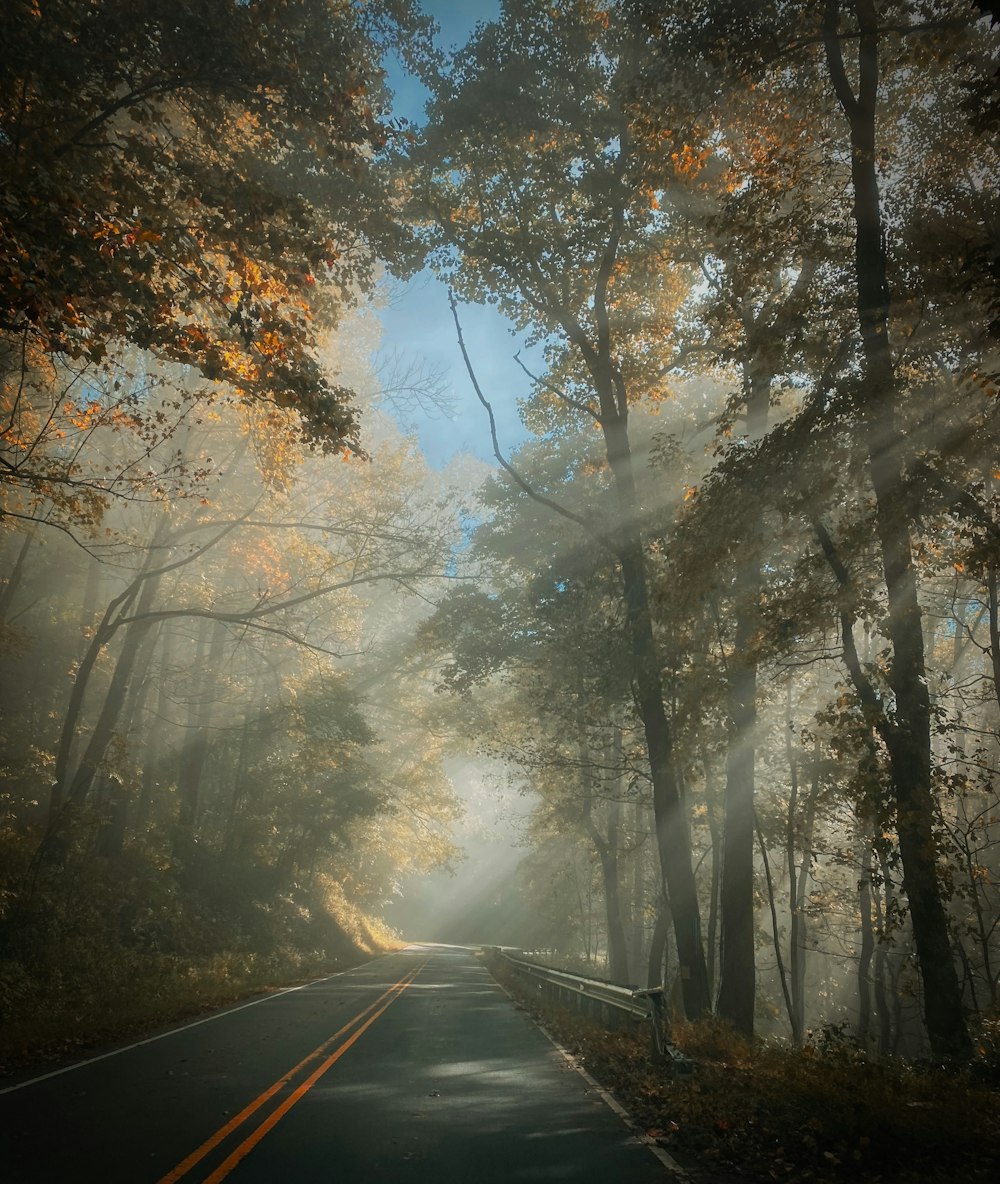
(415, 1067)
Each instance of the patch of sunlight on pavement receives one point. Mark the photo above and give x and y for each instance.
(418, 986)
(563, 1131)
(495, 1096)
(495, 1070)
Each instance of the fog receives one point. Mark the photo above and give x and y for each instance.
(684, 674)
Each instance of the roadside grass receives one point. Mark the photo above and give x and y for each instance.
(131, 995)
(826, 1113)
(120, 956)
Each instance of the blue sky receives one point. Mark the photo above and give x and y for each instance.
(419, 324)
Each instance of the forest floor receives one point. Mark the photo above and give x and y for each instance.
(85, 984)
(170, 997)
(65, 1035)
(826, 1113)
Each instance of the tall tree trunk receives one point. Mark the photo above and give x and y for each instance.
(116, 794)
(776, 936)
(715, 888)
(867, 943)
(673, 838)
(594, 344)
(656, 973)
(737, 979)
(672, 834)
(908, 738)
(738, 974)
(607, 843)
(637, 942)
(617, 945)
(238, 791)
(586, 914)
(798, 882)
(152, 767)
(882, 899)
(796, 892)
(193, 754)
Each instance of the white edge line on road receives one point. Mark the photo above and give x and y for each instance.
(609, 1100)
(183, 1028)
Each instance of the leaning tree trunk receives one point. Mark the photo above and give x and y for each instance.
(69, 791)
(12, 582)
(776, 934)
(908, 738)
(673, 838)
(594, 342)
(672, 835)
(104, 729)
(66, 787)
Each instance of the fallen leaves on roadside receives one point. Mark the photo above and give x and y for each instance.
(775, 1113)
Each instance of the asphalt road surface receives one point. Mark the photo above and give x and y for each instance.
(415, 1067)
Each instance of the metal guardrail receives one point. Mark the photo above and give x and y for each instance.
(608, 1003)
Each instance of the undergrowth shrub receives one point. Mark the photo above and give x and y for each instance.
(95, 949)
(827, 1113)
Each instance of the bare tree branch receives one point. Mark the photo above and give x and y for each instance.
(561, 395)
(871, 703)
(501, 460)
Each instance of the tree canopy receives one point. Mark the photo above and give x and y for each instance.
(198, 182)
(726, 617)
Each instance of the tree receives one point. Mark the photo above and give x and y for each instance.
(272, 562)
(755, 230)
(908, 734)
(898, 243)
(198, 182)
(537, 197)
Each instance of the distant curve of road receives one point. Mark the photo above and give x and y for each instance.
(415, 1067)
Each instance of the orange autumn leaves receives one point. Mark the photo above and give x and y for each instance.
(171, 179)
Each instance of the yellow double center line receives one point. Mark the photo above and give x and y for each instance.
(372, 1012)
